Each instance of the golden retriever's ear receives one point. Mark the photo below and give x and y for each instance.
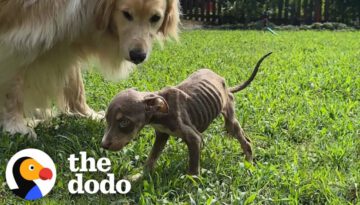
(170, 26)
(103, 13)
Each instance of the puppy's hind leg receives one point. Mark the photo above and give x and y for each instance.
(74, 93)
(13, 120)
(232, 125)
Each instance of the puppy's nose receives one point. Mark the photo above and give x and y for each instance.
(105, 145)
(137, 56)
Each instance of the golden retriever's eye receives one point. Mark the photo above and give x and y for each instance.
(127, 15)
(155, 19)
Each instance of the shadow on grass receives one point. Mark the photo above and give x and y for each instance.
(64, 135)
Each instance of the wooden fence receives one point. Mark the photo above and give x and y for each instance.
(202, 10)
(279, 11)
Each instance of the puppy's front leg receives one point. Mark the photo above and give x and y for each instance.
(159, 145)
(193, 142)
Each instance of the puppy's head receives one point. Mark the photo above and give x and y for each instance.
(127, 114)
(137, 23)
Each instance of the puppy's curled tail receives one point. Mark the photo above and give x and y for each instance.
(247, 83)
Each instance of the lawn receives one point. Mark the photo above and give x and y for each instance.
(302, 113)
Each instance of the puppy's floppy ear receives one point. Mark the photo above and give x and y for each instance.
(170, 25)
(156, 103)
(103, 13)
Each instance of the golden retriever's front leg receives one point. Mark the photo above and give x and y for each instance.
(13, 120)
(75, 99)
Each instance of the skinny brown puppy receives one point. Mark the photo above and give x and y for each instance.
(184, 111)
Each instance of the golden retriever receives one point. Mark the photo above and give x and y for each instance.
(43, 41)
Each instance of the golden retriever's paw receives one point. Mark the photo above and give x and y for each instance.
(34, 122)
(97, 115)
(88, 113)
(135, 177)
(19, 128)
(42, 114)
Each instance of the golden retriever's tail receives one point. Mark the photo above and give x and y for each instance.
(247, 83)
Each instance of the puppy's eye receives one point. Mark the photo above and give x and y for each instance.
(127, 15)
(155, 19)
(124, 123)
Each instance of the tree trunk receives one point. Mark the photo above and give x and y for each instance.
(327, 10)
(286, 14)
(310, 11)
(280, 7)
(298, 12)
(306, 11)
(273, 9)
(317, 10)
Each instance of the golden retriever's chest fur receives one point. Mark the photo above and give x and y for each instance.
(43, 41)
(34, 24)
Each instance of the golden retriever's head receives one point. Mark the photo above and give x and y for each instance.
(137, 23)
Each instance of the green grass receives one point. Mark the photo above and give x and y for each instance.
(302, 113)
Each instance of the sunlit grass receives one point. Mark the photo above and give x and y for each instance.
(302, 113)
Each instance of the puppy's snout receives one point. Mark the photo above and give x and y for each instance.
(137, 56)
(105, 144)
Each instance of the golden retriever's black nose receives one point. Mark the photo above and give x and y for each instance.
(137, 56)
